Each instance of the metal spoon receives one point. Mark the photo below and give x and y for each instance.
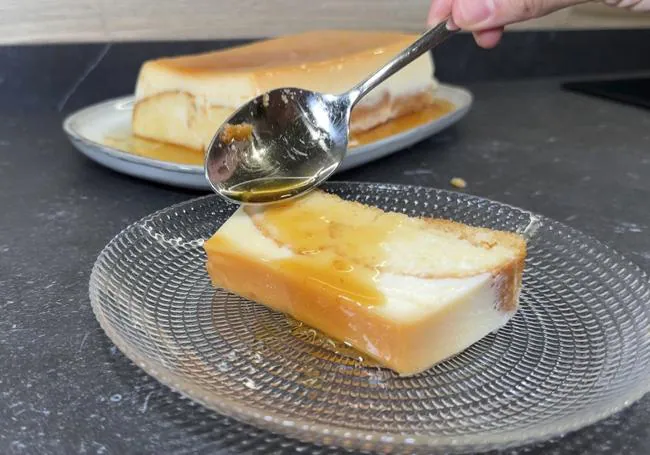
(289, 140)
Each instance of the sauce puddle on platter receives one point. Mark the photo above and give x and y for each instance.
(127, 142)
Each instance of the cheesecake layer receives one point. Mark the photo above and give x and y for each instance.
(180, 99)
(407, 292)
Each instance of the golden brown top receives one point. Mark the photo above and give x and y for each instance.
(306, 48)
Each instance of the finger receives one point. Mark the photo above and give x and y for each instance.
(489, 14)
(488, 39)
(439, 11)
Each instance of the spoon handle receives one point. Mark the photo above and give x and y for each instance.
(426, 42)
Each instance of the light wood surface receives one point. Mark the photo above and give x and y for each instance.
(589, 16)
(32, 21)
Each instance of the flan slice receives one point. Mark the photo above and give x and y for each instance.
(408, 292)
(183, 100)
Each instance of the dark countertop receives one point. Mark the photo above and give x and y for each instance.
(66, 389)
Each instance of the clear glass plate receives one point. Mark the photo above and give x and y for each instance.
(577, 351)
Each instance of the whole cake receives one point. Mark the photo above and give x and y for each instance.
(183, 100)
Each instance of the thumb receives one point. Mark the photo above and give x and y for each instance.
(489, 14)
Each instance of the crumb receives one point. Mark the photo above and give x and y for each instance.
(265, 100)
(242, 132)
(458, 182)
(283, 96)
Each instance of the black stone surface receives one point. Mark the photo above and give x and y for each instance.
(64, 388)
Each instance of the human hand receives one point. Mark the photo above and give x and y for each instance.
(487, 18)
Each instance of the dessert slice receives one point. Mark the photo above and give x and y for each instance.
(408, 292)
(184, 100)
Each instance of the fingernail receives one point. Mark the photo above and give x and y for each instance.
(474, 12)
(451, 25)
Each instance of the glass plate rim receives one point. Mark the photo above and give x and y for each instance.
(315, 433)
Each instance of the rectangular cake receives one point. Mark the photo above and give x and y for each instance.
(183, 100)
(408, 292)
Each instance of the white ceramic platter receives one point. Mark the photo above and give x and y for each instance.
(88, 128)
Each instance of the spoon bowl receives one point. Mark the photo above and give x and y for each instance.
(278, 145)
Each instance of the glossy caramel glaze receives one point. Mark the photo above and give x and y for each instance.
(327, 241)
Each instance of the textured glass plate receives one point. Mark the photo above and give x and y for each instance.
(577, 350)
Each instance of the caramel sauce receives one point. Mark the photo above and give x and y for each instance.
(318, 339)
(338, 251)
(401, 124)
(129, 143)
(267, 343)
(267, 189)
(327, 274)
(161, 151)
